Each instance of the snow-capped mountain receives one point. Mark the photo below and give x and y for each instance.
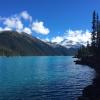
(62, 48)
(71, 44)
(54, 44)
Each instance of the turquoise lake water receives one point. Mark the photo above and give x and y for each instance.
(42, 78)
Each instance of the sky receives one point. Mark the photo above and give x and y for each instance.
(51, 20)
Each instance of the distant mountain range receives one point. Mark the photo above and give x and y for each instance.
(21, 44)
(71, 44)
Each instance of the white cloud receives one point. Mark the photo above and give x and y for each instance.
(39, 27)
(17, 23)
(7, 29)
(25, 15)
(47, 39)
(14, 23)
(74, 36)
(10, 22)
(78, 36)
(57, 39)
(1, 29)
(27, 30)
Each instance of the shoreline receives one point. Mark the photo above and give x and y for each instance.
(91, 92)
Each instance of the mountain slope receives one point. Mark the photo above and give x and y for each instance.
(14, 43)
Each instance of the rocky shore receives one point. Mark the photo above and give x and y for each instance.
(91, 92)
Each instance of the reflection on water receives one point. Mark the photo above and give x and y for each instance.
(42, 78)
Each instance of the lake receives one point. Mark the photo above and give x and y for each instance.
(43, 78)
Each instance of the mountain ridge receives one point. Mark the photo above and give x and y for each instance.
(13, 43)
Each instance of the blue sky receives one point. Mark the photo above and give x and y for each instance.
(56, 16)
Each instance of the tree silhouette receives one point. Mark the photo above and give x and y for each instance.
(94, 30)
(93, 49)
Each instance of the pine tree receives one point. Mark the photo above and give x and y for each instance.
(94, 32)
(98, 32)
(92, 50)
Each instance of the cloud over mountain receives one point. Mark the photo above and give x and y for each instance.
(27, 30)
(78, 36)
(73, 36)
(39, 27)
(23, 22)
(57, 39)
(17, 22)
(13, 23)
